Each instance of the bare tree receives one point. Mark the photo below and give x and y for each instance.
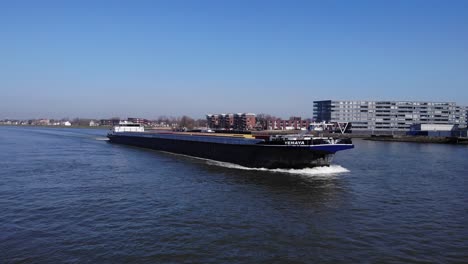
(186, 122)
(201, 123)
(263, 119)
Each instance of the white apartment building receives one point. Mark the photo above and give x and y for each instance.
(389, 116)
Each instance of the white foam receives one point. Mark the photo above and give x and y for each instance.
(101, 138)
(315, 171)
(331, 170)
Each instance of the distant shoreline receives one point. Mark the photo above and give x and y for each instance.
(91, 127)
(422, 139)
(409, 139)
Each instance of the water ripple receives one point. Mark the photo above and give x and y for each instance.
(67, 196)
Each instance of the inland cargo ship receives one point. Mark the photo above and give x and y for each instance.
(256, 151)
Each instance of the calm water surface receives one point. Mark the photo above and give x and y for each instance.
(67, 195)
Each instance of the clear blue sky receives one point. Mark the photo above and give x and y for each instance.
(150, 58)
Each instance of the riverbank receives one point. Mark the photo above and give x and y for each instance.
(90, 127)
(389, 138)
(420, 139)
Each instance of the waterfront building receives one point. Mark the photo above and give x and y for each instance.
(93, 123)
(465, 130)
(212, 121)
(11, 122)
(239, 121)
(244, 121)
(433, 130)
(294, 123)
(137, 120)
(43, 122)
(110, 122)
(220, 121)
(388, 117)
(226, 121)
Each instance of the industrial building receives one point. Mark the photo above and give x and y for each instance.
(432, 130)
(388, 117)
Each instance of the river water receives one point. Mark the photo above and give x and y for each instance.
(68, 195)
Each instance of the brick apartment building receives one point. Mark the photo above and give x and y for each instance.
(239, 121)
(244, 121)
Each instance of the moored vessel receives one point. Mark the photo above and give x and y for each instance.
(261, 151)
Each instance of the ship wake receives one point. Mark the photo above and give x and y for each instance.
(315, 171)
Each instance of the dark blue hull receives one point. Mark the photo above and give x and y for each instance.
(248, 155)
